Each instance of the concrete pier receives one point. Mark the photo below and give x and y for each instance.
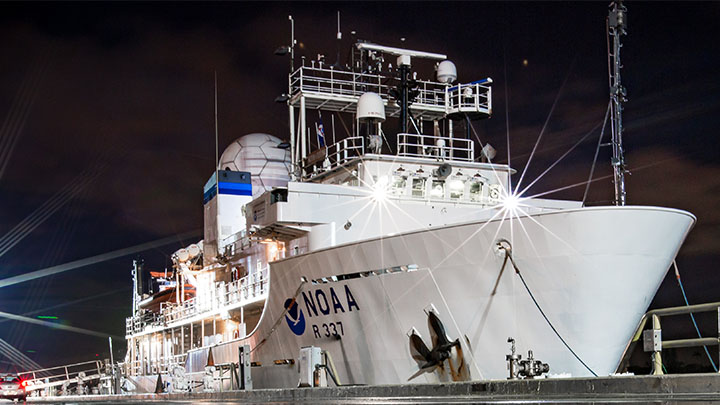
(617, 389)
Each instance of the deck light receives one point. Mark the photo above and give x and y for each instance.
(379, 189)
(511, 202)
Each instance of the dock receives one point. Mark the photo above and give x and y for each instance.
(617, 389)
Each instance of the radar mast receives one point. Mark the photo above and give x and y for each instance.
(616, 27)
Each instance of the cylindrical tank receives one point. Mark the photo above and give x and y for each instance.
(370, 108)
(260, 155)
(446, 72)
(182, 255)
(193, 250)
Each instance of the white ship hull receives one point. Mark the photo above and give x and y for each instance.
(593, 272)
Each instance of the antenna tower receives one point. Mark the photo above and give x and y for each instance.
(616, 27)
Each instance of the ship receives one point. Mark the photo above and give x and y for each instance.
(384, 255)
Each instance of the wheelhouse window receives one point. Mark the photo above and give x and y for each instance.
(457, 188)
(418, 187)
(398, 186)
(438, 189)
(476, 190)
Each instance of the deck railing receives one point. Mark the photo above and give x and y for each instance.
(251, 288)
(153, 366)
(471, 98)
(440, 147)
(341, 85)
(334, 156)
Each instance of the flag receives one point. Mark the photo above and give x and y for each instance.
(320, 130)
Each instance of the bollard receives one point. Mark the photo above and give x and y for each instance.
(652, 342)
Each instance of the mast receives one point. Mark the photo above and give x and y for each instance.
(616, 24)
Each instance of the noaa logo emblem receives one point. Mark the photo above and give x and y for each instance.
(294, 317)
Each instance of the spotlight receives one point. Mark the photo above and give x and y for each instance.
(511, 202)
(379, 192)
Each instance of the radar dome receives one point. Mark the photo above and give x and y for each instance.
(446, 72)
(370, 107)
(258, 154)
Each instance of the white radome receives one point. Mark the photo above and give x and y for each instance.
(258, 154)
(446, 72)
(370, 107)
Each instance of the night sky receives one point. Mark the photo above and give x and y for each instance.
(107, 114)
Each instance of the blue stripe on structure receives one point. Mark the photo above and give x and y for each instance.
(236, 186)
(234, 192)
(208, 196)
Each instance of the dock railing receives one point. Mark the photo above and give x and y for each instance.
(57, 376)
(652, 338)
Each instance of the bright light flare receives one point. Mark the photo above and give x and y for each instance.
(511, 202)
(380, 189)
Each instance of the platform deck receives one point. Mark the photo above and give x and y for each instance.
(617, 389)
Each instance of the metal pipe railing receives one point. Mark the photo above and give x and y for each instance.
(248, 288)
(655, 340)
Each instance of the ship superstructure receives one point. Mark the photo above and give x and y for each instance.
(398, 251)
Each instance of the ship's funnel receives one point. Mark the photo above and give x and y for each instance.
(223, 202)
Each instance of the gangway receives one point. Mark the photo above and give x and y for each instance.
(89, 373)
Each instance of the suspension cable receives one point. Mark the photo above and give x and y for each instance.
(597, 151)
(508, 255)
(677, 275)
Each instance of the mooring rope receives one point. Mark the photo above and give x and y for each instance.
(508, 255)
(282, 315)
(707, 352)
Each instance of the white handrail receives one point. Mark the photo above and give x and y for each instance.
(250, 288)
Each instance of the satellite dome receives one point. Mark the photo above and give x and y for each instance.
(260, 155)
(370, 107)
(446, 72)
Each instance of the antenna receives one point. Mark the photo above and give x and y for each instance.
(339, 34)
(217, 158)
(292, 43)
(616, 24)
(338, 37)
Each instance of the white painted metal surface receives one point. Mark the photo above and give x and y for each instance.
(593, 284)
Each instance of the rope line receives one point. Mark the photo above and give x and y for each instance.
(508, 255)
(597, 151)
(280, 318)
(707, 352)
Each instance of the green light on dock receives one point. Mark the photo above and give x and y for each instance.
(47, 317)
